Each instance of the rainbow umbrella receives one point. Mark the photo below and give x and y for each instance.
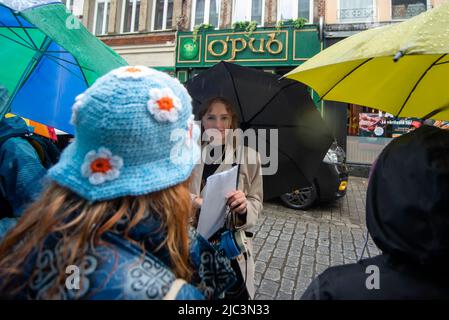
(47, 58)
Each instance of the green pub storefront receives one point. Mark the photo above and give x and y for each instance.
(270, 49)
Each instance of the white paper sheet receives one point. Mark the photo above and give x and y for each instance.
(213, 210)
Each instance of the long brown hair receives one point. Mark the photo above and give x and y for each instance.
(80, 225)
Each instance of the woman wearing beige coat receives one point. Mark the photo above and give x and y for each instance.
(246, 202)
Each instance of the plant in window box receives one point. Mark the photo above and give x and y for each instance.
(295, 23)
(248, 26)
(199, 27)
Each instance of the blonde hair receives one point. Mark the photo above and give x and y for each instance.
(80, 225)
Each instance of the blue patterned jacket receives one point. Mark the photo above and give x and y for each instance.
(117, 269)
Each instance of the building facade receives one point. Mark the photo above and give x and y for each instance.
(344, 18)
(166, 34)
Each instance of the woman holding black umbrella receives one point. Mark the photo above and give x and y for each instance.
(218, 122)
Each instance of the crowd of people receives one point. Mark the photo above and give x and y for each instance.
(121, 204)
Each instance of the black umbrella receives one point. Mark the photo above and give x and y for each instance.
(264, 102)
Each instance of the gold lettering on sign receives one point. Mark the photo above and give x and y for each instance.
(272, 45)
(261, 46)
(234, 48)
(274, 41)
(211, 50)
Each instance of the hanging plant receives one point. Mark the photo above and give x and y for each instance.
(199, 27)
(248, 26)
(295, 23)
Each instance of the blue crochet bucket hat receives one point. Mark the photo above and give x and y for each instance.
(135, 135)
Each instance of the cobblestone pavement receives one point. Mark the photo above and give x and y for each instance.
(292, 247)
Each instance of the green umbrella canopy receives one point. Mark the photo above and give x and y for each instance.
(47, 58)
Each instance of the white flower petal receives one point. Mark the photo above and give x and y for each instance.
(90, 156)
(177, 103)
(155, 94)
(112, 174)
(116, 162)
(97, 178)
(104, 153)
(85, 169)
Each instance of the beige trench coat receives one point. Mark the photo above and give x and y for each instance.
(250, 183)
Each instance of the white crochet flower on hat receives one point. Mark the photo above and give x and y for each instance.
(134, 72)
(79, 101)
(164, 104)
(100, 166)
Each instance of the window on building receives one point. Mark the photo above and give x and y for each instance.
(356, 10)
(404, 9)
(101, 17)
(293, 9)
(206, 11)
(74, 6)
(162, 14)
(130, 16)
(248, 10)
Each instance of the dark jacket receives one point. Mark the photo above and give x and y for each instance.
(21, 169)
(407, 215)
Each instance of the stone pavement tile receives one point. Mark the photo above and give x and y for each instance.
(306, 259)
(258, 241)
(277, 227)
(262, 234)
(282, 244)
(308, 250)
(310, 242)
(284, 296)
(269, 288)
(257, 278)
(260, 266)
(263, 297)
(322, 250)
(269, 247)
(292, 261)
(277, 263)
(321, 258)
(311, 235)
(275, 233)
(294, 251)
(287, 285)
(264, 256)
(272, 274)
(279, 253)
(305, 273)
(290, 273)
(320, 268)
(285, 237)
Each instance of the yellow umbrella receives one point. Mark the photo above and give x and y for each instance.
(402, 68)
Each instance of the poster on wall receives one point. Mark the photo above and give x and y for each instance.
(379, 125)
